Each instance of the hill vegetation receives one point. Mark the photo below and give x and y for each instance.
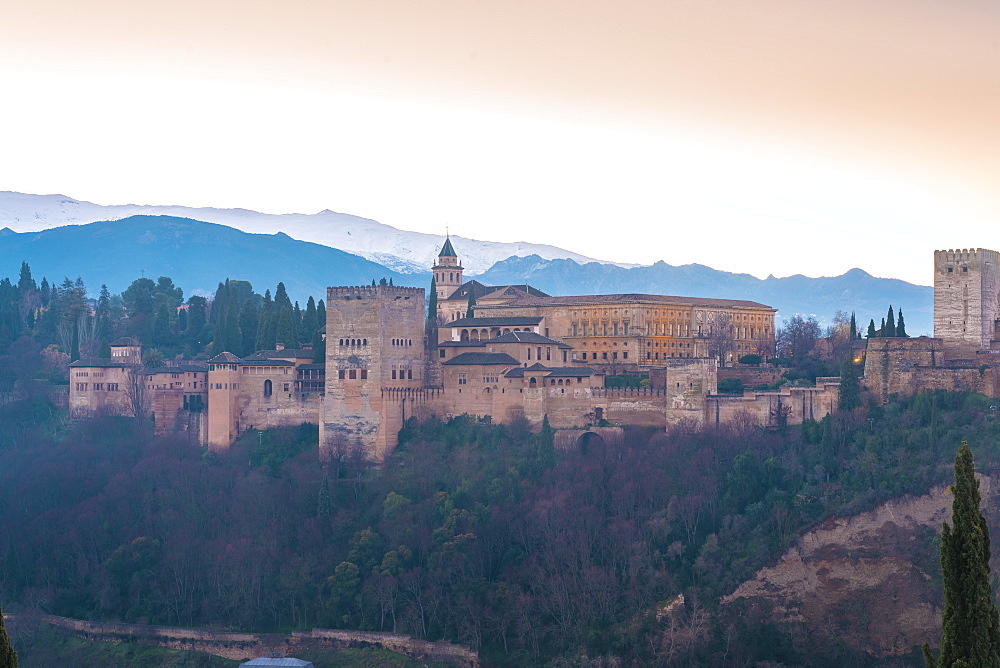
(475, 533)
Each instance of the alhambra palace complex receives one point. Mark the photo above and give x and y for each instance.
(525, 353)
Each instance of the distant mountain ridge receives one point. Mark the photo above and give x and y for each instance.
(195, 254)
(113, 252)
(855, 290)
(400, 250)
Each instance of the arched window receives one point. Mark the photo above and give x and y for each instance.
(267, 388)
(533, 382)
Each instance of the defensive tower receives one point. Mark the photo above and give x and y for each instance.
(965, 300)
(374, 342)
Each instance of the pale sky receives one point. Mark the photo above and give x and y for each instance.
(768, 137)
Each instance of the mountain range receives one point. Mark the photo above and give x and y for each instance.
(399, 250)
(56, 236)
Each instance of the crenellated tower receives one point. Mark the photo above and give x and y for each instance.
(374, 343)
(965, 300)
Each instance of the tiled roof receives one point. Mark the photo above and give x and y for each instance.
(185, 367)
(254, 360)
(310, 367)
(517, 321)
(124, 341)
(104, 362)
(481, 359)
(447, 250)
(632, 298)
(461, 344)
(528, 337)
(225, 358)
(287, 352)
(572, 371)
(495, 291)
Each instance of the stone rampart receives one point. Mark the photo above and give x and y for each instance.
(241, 646)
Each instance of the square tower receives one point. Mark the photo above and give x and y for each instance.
(965, 300)
(374, 344)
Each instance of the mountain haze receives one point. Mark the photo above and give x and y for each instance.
(855, 290)
(196, 255)
(404, 252)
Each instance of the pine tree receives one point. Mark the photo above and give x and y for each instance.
(890, 324)
(45, 290)
(901, 326)
(103, 315)
(8, 657)
(971, 624)
(26, 283)
(871, 330)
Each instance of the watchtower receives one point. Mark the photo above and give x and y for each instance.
(965, 300)
(374, 343)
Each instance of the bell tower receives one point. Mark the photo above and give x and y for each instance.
(447, 272)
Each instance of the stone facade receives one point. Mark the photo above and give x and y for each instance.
(964, 354)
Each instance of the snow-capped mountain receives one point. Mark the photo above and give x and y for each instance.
(402, 251)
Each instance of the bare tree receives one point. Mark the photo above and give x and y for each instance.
(139, 399)
(720, 338)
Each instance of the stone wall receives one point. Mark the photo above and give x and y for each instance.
(789, 405)
(242, 646)
(891, 364)
(752, 376)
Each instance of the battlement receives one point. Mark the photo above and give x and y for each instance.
(371, 292)
(964, 255)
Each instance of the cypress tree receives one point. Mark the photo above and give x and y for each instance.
(469, 311)
(45, 291)
(432, 302)
(850, 388)
(901, 326)
(871, 330)
(324, 510)
(881, 330)
(25, 282)
(285, 328)
(971, 624)
(309, 321)
(8, 657)
(854, 328)
(890, 323)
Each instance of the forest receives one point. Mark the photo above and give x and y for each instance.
(475, 533)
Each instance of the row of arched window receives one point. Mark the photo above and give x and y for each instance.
(354, 343)
(402, 342)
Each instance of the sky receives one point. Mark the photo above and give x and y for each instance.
(767, 137)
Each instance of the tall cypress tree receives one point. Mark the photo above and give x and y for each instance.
(8, 657)
(971, 624)
(871, 329)
(432, 302)
(901, 326)
(469, 311)
(890, 324)
(854, 327)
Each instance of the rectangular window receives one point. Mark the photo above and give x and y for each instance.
(625, 355)
(364, 374)
(286, 387)
(353, 374)
(98, 387)
(441, 353)
(463, 378)
(340, 374)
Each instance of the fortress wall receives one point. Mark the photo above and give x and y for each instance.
(794, 405)
(751, 375)
(890, 364)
